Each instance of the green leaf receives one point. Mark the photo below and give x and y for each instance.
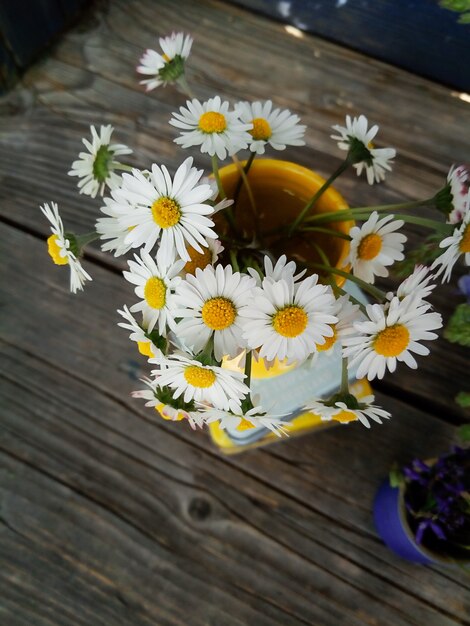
(463, 398)
(458, 328)
(455, 5)
(464, 18)
(464, 432)
(424, 255)
(396, 477)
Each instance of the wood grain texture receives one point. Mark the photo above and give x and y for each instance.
(110, 515)
(140, 520)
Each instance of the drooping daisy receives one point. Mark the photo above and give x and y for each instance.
(457, 244)
(110, 230)
(161, 400)
(347, 314)
(192, 380)
(61, 248)
(390, 335)
(173, 211)
(417, 284)
(240, 420)
(356, 138)
(281, 270)
(95, 168)
(145, 345)
(210, 304)
(167, 67)
(348, 409)
(458, 180)
(155, 282)
(271, 126)
(212, 126)
(200, 260)
(375, 245)
(287, 319)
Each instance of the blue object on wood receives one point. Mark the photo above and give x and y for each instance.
(390, 527)
(418, 36)
(27, 27)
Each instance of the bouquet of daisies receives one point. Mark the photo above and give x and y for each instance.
(205, 293)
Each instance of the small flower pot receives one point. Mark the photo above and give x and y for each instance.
(392, 525)
(281, 189)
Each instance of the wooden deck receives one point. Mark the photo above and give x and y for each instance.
(112, 517)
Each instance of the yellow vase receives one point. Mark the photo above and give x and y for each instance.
(280, 190)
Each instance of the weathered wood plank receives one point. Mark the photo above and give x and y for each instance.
(285, 532)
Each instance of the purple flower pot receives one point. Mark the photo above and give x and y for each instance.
(391, 524)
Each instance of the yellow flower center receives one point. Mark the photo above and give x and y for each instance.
(166, 212)
(199, 376)
(391, 341)
(166, 58)
(261, 129)
(218, 313)
(329, 341)
(212, 122)
(245, 425)
(369, 247)
(198, 259)
(370, 145)
(344, 417)
(144, 348)
(290, 322)
(54, 251)
(155, 292)
(159, 408)
(464, 245)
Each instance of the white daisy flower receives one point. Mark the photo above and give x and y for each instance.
(282, 270)
(285, 319)
(347, 314)
(138, 334)
(417, 285)
(458, 180)
(155, 282)
(274, 127)
(110, 230)
(390, 335)
(158, 399)
(239, 420)
(196, 382)
(95, 168)
(350, 410)
(457, 244)
(212, 126)
(200, 260)
(166, 67)
(375, 245)
(210, 304)
(356, 138)
(158, 208)
(60, 248)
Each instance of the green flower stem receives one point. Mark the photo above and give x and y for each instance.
(344, 389)
(331, 216)
(122, 166)
(326, 261)
(374, 291)
(227, 212)
(184, 86)
(325, 231)
(248, 360)
(215, 170)
(352, 298)
(233, 259)
(302, 215)
(242, 178)
(440, 227)
(83, 240)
